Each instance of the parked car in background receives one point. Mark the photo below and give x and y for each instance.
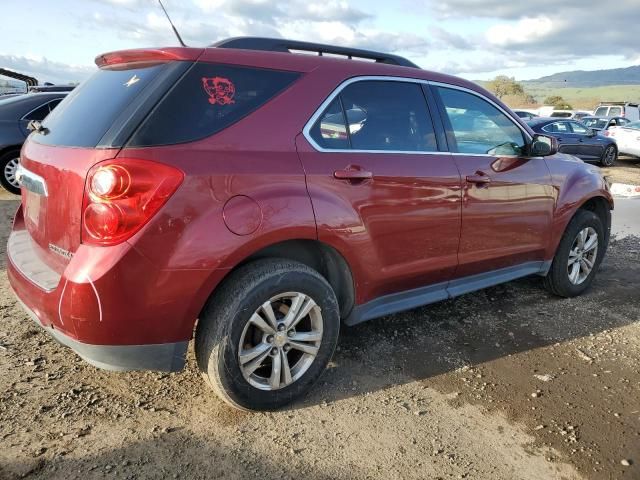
(618, 109)
(627, 138)
(15, 114)
(576, 115)
(604, 123)
(51, 88)
(255, 197)
(525, 115)
(576, 139)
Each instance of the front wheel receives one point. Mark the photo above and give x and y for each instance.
(609, 156)
(578, 257)
(267, 334)
(9, 163)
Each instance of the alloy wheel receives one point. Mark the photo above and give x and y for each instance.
(582, 256)
(280, 341)
(10, 170)
(610, 155)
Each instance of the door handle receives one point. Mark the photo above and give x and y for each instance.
(479, 178)
(352, 173)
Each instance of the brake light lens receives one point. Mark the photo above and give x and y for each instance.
(122, 195)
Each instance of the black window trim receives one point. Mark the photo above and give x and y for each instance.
(306, 131)
(59, 99)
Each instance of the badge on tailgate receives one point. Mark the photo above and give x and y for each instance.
(32, 182)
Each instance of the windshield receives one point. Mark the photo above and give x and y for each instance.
(601, 111)
(635, 125)
(599, 123)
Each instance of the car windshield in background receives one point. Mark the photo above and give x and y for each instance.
(561, 114)
(599, 123)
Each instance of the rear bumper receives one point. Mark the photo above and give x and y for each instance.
(167, 357)
(111, 305)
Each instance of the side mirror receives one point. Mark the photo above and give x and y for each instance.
(543, 146)
(591, 133)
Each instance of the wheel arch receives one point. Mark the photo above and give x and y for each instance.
(600, 202)
(10, 148)
(318, 255)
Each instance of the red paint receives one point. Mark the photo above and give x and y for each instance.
(413, 221)
(220, 90)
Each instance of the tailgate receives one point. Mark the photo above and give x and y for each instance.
(52, 198)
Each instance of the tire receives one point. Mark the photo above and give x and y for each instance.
(558, 281)
(229, 318)
(609, 156)
(8, 162)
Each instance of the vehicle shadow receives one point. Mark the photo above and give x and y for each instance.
(175, 454)
(480, 327)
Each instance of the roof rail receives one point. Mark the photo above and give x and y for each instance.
(284, 45)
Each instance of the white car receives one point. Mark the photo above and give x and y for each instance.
(627, 138)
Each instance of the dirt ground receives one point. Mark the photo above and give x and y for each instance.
(626, 170)
(507, 383)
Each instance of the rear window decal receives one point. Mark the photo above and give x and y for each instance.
(220, 90)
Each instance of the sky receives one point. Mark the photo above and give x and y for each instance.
(57, 40)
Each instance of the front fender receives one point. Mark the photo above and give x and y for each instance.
(575, 184)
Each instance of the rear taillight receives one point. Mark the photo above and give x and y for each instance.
(122, 195)
(607, 133)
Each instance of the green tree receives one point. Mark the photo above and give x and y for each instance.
(502, 86)
(558, 102)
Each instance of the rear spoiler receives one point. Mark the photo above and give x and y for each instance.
(148, 55)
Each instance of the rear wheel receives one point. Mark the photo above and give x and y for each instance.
(267, 334)
(578, 257)
(9, 164)
(609, 156)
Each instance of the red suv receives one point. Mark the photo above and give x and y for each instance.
(252, 197)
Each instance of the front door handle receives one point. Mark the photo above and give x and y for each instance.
(352, 173)
(479, 178)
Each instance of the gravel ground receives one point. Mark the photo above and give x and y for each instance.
(507, 383)
(626, 170)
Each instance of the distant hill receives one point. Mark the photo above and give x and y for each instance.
(594, 78)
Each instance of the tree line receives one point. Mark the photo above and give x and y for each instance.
(513, 94)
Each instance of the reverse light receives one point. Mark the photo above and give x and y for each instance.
(122, 195)
(110, 182)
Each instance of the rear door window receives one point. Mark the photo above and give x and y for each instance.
(209, 98)
(615, 111)
(479, 127)
(330, 131)
(388, 116)
(377, 116)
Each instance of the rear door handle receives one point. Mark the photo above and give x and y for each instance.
(478, 179)
(352, 173)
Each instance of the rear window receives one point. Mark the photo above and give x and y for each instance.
(209, 98)
(87, 113)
